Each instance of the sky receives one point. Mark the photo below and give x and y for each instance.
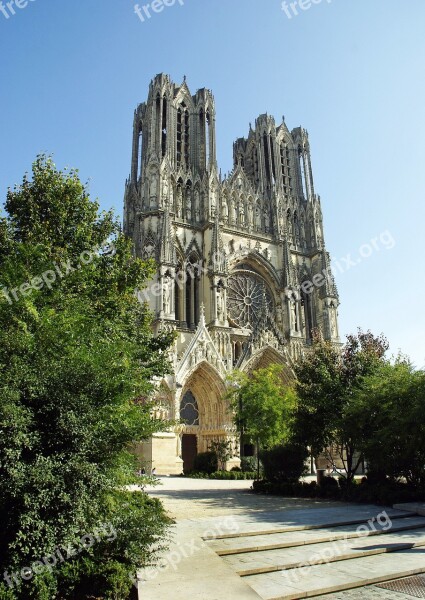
(349, 71)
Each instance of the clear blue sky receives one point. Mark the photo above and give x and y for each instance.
(350, 71)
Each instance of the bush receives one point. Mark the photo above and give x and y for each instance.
(102, 570)
(232, 475)
(385, 494)
(284, 463)
(205, 462)
(249, 463)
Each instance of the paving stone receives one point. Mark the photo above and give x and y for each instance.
(204, 511)
(248, 563)
(365, 593)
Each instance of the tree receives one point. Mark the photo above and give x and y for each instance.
(223, 449)
(392, 404)
(262, 406)
(327, 379)
(76, 349)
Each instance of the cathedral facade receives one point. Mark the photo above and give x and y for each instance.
(243, 275)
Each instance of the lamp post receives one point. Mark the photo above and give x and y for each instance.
(241, 444)
(237, 386)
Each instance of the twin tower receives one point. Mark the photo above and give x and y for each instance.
(243, 275)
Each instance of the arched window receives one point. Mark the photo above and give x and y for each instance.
(308, 315)
(158, 117)
(189, 412)
(164, 126)
(202, 132)
(267, 157)
(140, 155)
(208, 138)
(183, 135)
(193, 270)
(179, 136)
(256, 168)
(186, 137)
(301, 156)
(285, 167)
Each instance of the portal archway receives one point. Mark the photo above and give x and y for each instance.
(269, 356)
(204, 409)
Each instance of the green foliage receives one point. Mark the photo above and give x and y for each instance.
(205, 462)
(326, 418)
(249, 463)
(223, 450)
(108, 569)
(262, 405)
(285, 462)
(391, 403)
(74, 355)
(385, 493)
(226, 475)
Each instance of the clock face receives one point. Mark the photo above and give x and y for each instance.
(248, 298)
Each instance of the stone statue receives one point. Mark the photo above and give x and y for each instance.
(258, 218)
(213, 201)
(250, 214)
(266, 220)
(220, 304)
(224, 209)
(242, 214)
(294, 315)
(232, 211)
(165, 190)
(153, 192)
(188, 206)
(166, 296)
(179, 201)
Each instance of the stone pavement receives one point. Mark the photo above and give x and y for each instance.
(365, 593)
(223, 530)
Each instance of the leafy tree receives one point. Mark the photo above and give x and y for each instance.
(327, 380)
(75, 350)
(223, 449)
(391, 403)
(262, 406)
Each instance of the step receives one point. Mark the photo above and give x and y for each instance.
(336, 522)
(268, 561)
(272, 541)
(418, 508)
(316, 580)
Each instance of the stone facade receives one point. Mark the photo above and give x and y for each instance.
(243, 274)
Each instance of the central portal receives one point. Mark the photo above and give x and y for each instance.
(189, 451)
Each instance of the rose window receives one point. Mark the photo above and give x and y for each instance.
(248, 298)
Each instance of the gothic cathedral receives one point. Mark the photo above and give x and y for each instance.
(243, 274)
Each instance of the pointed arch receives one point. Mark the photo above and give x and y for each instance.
(208, 388)
(269, 356)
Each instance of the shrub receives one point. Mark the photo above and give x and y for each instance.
(232, 475)
(249, 463)
(284, 463)
(205, 462)
(385, 494)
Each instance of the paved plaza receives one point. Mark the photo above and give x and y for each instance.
(230, 543)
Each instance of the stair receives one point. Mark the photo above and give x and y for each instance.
(304, 561)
